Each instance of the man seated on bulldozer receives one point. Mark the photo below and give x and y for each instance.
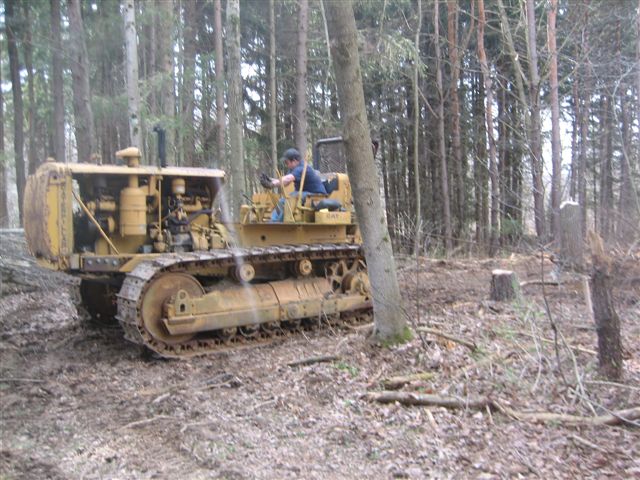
(299, 172)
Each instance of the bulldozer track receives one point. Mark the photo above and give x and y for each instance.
(130, 297)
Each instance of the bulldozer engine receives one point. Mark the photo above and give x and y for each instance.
(151, 251)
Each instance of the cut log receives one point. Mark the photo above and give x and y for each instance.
(504, 285)
(571, 243)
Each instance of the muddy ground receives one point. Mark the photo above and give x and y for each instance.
(78, 401)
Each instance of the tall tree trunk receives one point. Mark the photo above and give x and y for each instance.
(32, 154)
(480, 162)
(387, 303)
(628, 225)
(526, 116)
(188, 82)
(456, 143)
(300, 125)
(536, 132)
(165, 58)
(234, 100)
(585, 112)
(575, 127)
(133, 91)
(606, 170)
(493, 166)
(556, 151)
(638, 69)
(206, 37)
(416, 129)
(84, 123)
(273, 114)
(442, 149)
(11, 22)
(629, 211)
(57, 84)
(220, 112)
(4, 207)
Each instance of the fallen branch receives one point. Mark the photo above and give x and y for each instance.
(409, 398)
(539, 282)
(312, 360)
(470, 345)
(628, 416)
(394, 383)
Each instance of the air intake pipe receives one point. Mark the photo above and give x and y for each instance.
(162, 145)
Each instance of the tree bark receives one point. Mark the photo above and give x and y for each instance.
(456, 143)
(569, 235)
(84, 123)
(273, 119)
(188, 83)
(606, 171)
(416, 127)
(628, 225)
(220, 111)
(493, 166)
(536, 133)
(300, 125)
(556, 151)
(27, 46)
(504, 283)
(387, 303)
(638, 63)
(133, 91)
(606, 318)
(166, 101)
(442, 148)
(57, 83)
(4, 208)
(480, 162)
(18, 107)
(234, 100)
(585, 112)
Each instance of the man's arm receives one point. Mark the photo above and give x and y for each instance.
(284, 181)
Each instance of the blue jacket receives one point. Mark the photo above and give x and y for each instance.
(312, 181)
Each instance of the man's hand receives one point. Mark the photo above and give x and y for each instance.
(266, 181)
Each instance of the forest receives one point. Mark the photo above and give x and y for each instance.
(488, 115)
(494, 331)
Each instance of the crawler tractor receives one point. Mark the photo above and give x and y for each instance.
(153, 251)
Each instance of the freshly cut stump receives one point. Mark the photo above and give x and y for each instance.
(504, 285)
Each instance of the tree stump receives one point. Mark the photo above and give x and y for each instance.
(504, 285)
(606, 319)
(571, 243)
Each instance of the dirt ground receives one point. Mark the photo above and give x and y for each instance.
(78, 401)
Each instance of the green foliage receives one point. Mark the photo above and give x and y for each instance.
(406, 335)
(346, 367)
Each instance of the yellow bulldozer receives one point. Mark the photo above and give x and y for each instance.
(153, 251)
